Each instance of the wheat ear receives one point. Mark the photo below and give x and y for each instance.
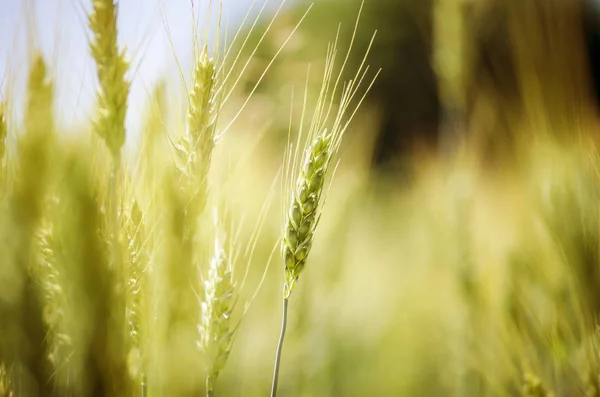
(109, 124)
(196, 146)
(112, 66)
(38, 125)
(304, 212)
(137, 306)
(53, 295)
(188, 195)
(216, 332)
(302, 219)
(23, 341)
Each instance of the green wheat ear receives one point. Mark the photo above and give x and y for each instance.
(303, 214)
(194, 150)
(112, 66)
(137, 295)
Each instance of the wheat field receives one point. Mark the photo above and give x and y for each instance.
(159, 264)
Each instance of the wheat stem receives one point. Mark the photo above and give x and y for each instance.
(279, 347)
(210, 386)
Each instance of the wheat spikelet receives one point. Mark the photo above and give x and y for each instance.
(216, 332)
(112, 66)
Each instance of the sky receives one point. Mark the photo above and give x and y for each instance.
(58, 28)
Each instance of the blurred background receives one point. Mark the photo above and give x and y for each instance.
(458, 252)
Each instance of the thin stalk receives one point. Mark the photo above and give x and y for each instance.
(210, 386)
(279, 348)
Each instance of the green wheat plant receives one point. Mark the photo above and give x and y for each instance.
(307, 173)
(112, 67)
